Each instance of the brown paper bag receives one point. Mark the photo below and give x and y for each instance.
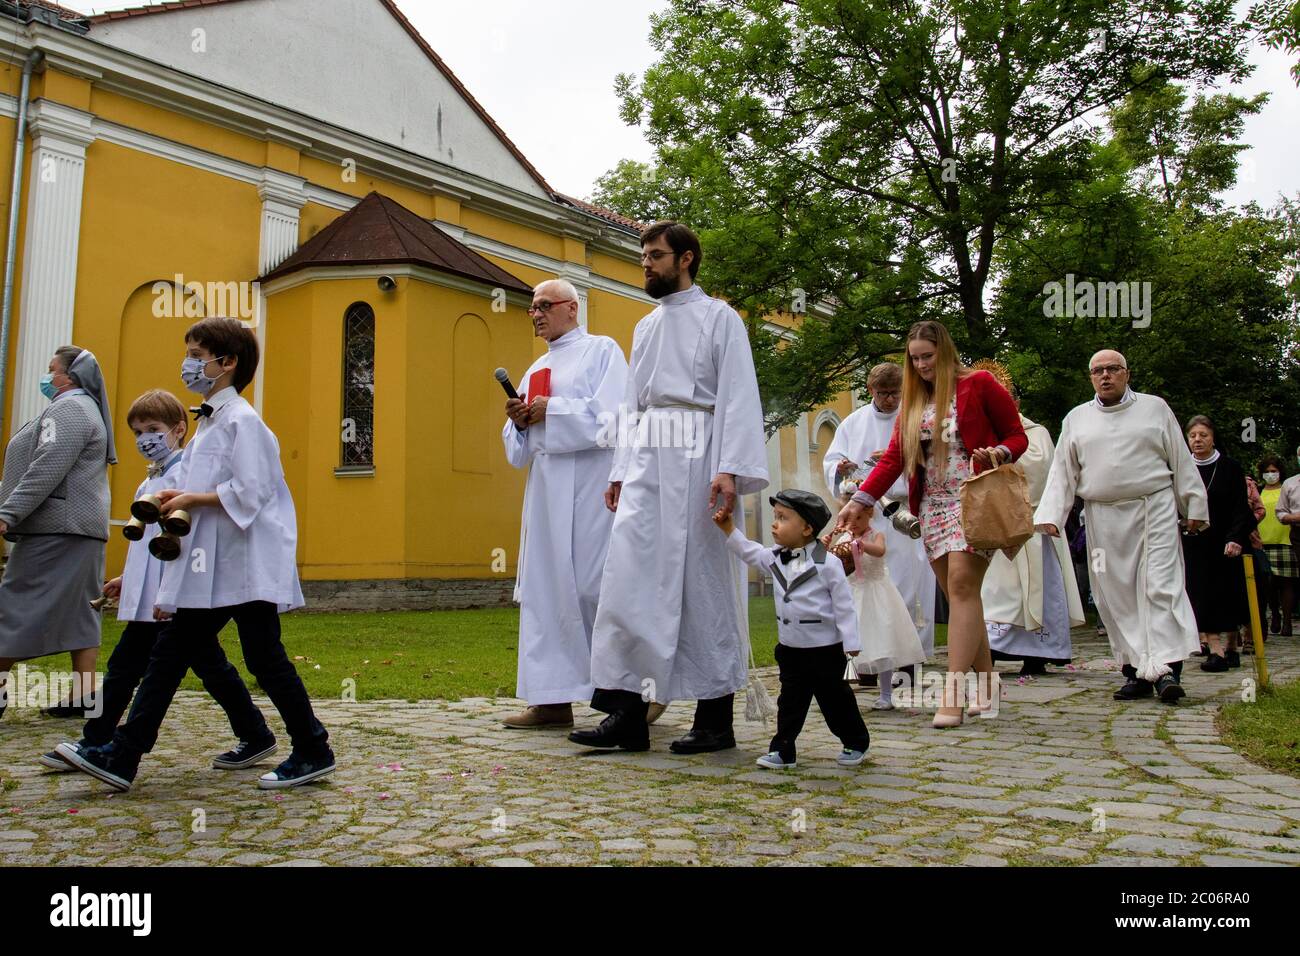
(995, 510)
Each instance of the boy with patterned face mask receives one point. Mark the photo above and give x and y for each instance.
(240, 564)
(157, 419)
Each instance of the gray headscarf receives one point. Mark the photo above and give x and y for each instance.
(85, 369)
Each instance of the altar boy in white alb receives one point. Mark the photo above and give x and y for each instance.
(238, 563)
(1123, 453)
(560, 435)
(816, 624)
(672, 621)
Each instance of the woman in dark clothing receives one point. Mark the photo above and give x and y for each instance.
(1216, 578)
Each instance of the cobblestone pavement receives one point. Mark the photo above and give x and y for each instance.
(1064, 775)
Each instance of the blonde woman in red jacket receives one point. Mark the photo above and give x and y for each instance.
(951, 416)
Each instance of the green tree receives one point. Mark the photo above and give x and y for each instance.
(874, 157)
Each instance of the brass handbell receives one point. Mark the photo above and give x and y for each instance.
(903, 520)
(133, 530)
(165, 547)
(177, 523)
(101, 602)
(148, 508)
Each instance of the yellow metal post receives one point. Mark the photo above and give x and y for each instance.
(1256, 622)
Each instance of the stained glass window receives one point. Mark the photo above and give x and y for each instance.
(358, 387)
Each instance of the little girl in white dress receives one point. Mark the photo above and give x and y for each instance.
(889, 638)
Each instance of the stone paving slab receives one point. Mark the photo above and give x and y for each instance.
(1063, 776)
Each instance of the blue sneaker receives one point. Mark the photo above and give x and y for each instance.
(296, 771)
(109, 763)
(55, 761)
(773, 761)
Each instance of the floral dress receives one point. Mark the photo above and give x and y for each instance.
(941, 499)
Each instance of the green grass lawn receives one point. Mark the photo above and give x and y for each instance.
(414, 655)
(1266, 730)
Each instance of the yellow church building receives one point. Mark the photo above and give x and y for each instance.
(313, 168)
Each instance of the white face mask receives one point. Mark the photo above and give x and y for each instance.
(1271, 477)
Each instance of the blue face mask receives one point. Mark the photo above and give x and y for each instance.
(194, 375)
(47, 386)
(153, 445)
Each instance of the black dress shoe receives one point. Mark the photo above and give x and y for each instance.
(1135, 688)
(1204, 651)
(1214, 664)
(1033, 667)
(703, 742)
(614, 732)
(71, 709)
(1169, 690)
(1233, 658)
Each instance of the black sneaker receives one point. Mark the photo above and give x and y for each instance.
(1233, 658)
(1214, 664)
(245, 754)
(296, 771)
(1135, 688)
(55, 761)
(109, 763)
(1169, 690)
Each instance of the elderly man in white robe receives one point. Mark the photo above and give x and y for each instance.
(1031, 602)
(859, 442)
(564, 532)
(1123, 453)
(672, 622)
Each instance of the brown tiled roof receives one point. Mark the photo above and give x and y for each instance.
(601, 212)
(379, 231)
(63, 12)
(406, 25)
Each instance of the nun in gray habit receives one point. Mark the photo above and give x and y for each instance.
(54, 509)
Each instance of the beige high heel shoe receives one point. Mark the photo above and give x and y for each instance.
(943, 721)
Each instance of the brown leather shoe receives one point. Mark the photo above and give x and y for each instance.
(543, 715)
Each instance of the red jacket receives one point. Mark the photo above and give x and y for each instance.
(986, 417)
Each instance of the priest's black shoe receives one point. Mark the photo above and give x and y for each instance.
(1169, 690)
(1214, 664)
(703, 742)
(1134, 689)
(1233, 658)
(616, 730)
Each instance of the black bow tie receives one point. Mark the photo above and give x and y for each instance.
(787, 555)
(203, 411)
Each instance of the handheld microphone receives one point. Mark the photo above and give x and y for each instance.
(502, 377)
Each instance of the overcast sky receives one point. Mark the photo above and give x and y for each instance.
(561, 111)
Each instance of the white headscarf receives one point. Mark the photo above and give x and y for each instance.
(85, 368)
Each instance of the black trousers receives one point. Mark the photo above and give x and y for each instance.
(193, 632)
(808, 672)
(713, 715)
(1129, 671)
(128, 665)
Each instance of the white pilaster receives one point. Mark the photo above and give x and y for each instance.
(283, 196)
(580, 276)
(775, 484)
(56, 179)
(803, 471)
